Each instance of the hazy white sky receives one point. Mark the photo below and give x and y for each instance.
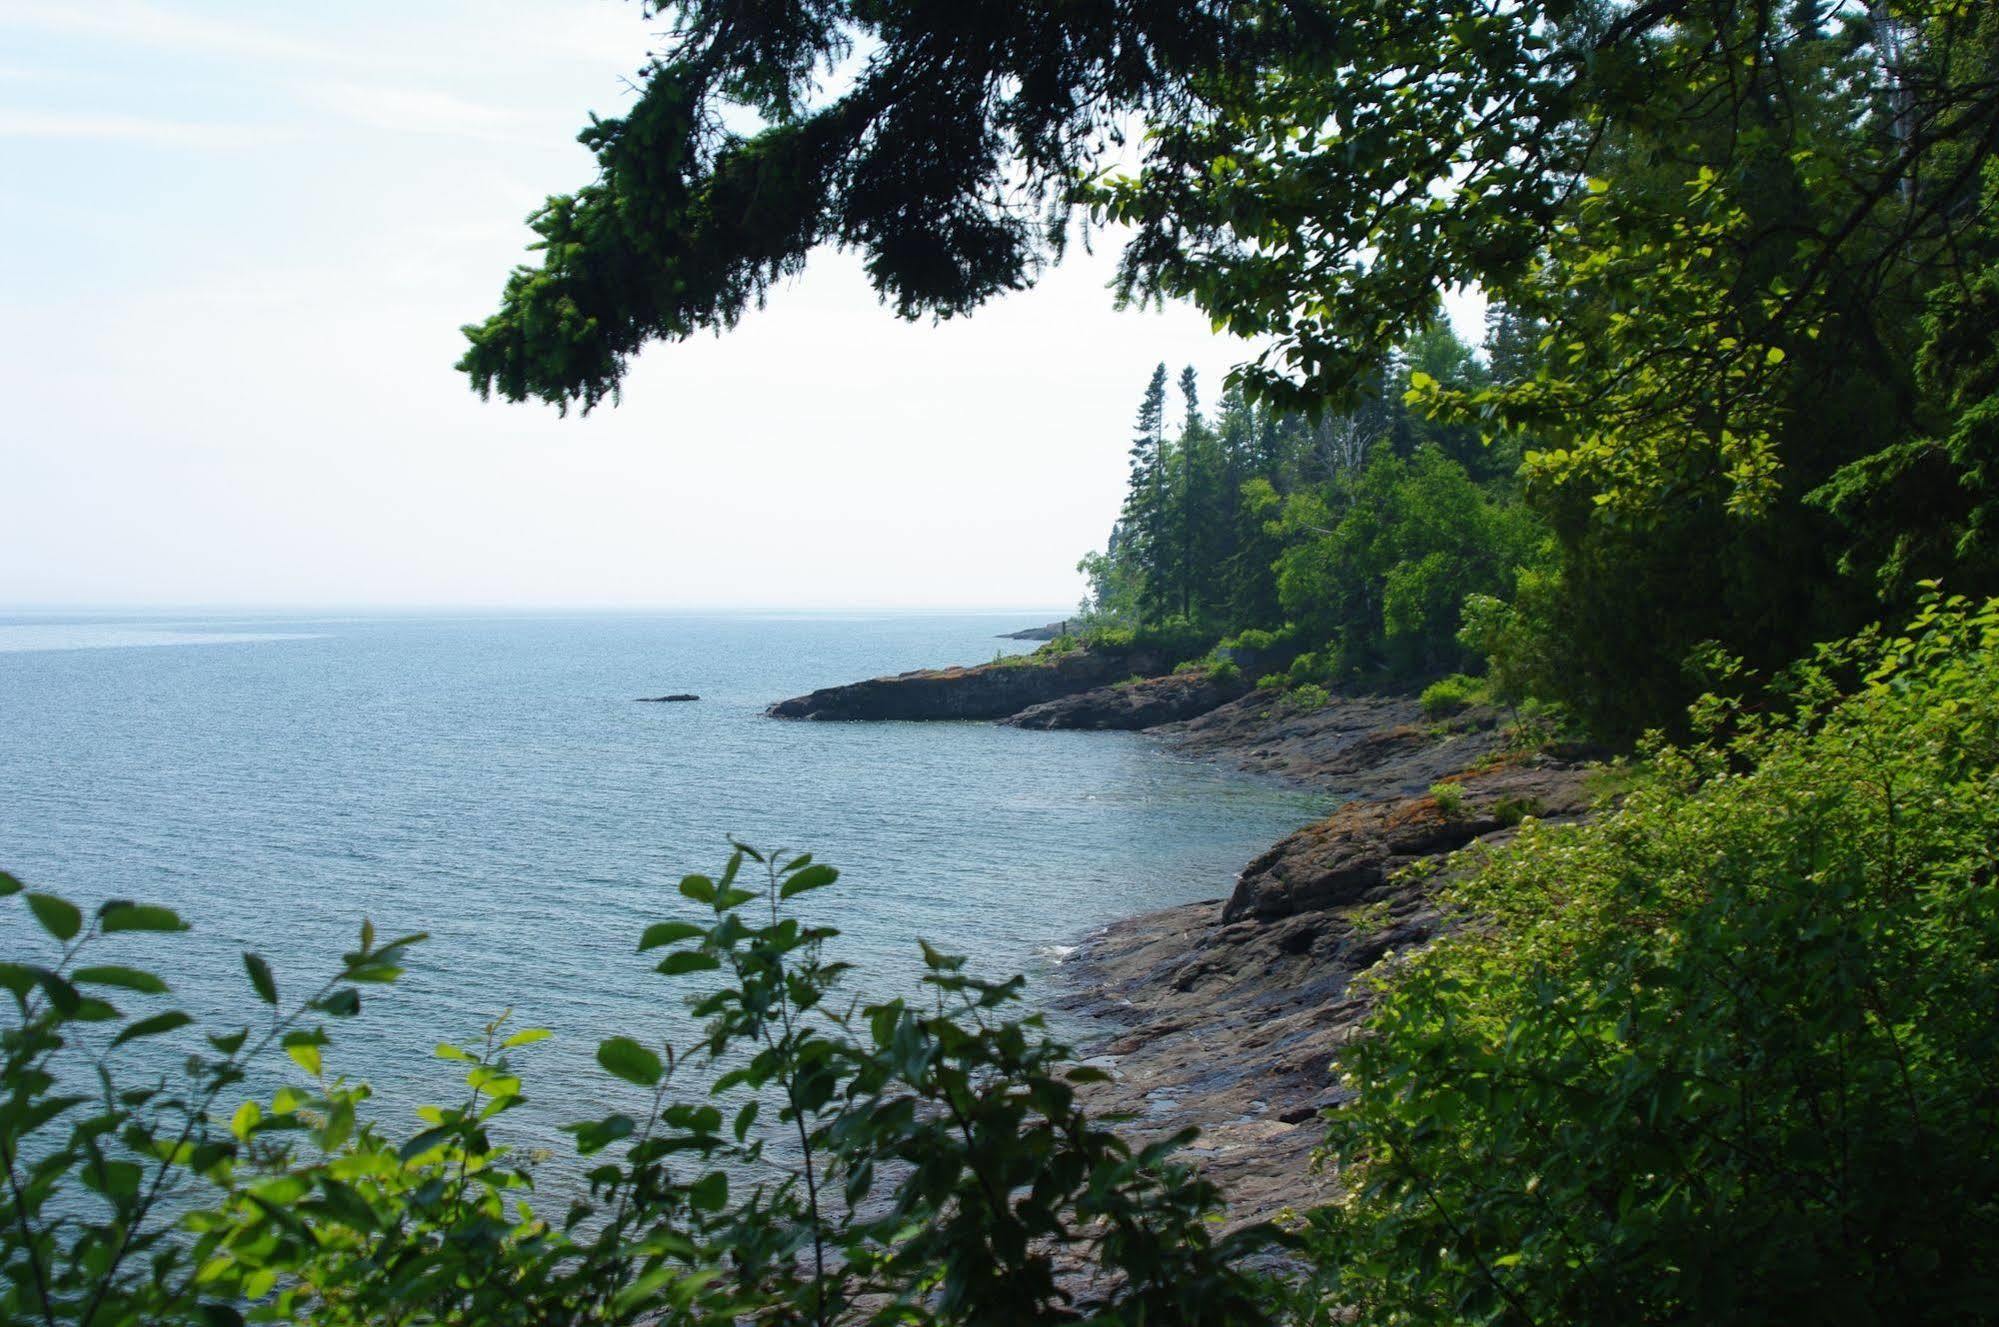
(241, 238)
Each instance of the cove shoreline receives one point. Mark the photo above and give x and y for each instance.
(1227, 1013)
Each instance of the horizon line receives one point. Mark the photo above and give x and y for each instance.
(350, 606)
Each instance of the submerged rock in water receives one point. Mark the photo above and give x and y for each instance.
(665, 700)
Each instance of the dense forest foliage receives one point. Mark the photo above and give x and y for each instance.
(1724, 1055)
(1344, 547)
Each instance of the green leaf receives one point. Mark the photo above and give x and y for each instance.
(342, 1003)
(58, 916)
(630, 1061)
(812, 877)
(425, 1141)
(62, 995)
(673, 965)
(596, 1135)
(18, 978)
(303, 1047)
(261, 978)
(119, 915)
(938, 961)
(526, 1037)
(699, 888)
(152, 1027)
(248, 1116)
(128, 979)
(666, 933)
(710, 1193)
(10, 885)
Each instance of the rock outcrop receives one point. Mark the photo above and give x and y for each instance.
(1354, 856)
(1130, 706)
(987, 691)
(1229, 1016)
(668, 700)
(1053, 631)
(1359, 746)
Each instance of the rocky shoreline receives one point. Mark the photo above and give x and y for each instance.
(1227, 1013)
(996, 690)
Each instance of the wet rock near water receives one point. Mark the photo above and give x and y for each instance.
(667, 700)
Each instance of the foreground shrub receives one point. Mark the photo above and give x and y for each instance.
(1730, 1055)
(909, 1162)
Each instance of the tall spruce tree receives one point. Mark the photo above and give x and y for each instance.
(1144, 522)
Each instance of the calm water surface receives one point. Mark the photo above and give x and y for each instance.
(491, 780)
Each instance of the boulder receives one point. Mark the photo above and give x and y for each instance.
(1355, 855)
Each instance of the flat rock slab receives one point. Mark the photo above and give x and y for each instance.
(985, 691)
(1133, 705)
(1359, 746)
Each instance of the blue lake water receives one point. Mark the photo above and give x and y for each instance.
(490, 779)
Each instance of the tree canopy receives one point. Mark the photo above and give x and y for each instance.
(948, 161)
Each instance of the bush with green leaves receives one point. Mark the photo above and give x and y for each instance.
(1308, 696)
(900, 1161)
(1727, 1055)
(1379, 563)
(1452, 695)
(1449, 796)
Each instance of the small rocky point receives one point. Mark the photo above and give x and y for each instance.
(1053, 631)
(996, 690)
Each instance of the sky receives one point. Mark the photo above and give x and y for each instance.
(241, 238)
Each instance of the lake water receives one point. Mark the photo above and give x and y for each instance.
(490, 779)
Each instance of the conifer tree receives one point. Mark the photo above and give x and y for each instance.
(1142, 524)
